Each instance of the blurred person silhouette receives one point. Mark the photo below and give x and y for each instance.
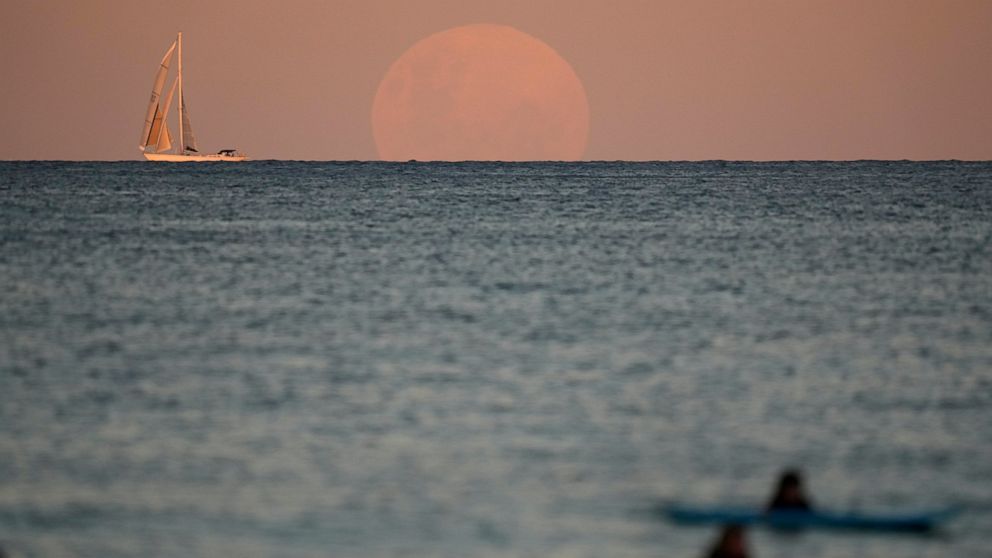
(790, 494)
(731, 543)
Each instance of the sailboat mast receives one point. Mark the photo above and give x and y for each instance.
(182, 139)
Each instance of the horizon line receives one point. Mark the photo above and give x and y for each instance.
(556, 161)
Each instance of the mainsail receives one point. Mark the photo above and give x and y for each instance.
(148, 135)
(189, 140)
(159, 138)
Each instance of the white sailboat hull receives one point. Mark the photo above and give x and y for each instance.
(211, 158)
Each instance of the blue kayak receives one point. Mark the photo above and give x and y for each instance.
(800, 519)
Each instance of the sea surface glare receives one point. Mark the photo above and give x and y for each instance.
(479, 360)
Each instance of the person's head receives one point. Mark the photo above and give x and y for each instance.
(790, 480)
(732, 539)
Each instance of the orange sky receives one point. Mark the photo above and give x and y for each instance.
(763, 79)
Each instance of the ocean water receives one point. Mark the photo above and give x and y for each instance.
(513, 360)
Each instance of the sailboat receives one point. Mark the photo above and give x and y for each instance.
(156, 140)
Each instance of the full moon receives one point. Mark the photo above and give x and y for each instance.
(480, 93)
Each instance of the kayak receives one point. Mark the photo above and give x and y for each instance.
(801, 519)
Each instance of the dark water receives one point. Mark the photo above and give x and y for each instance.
(363, 359)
